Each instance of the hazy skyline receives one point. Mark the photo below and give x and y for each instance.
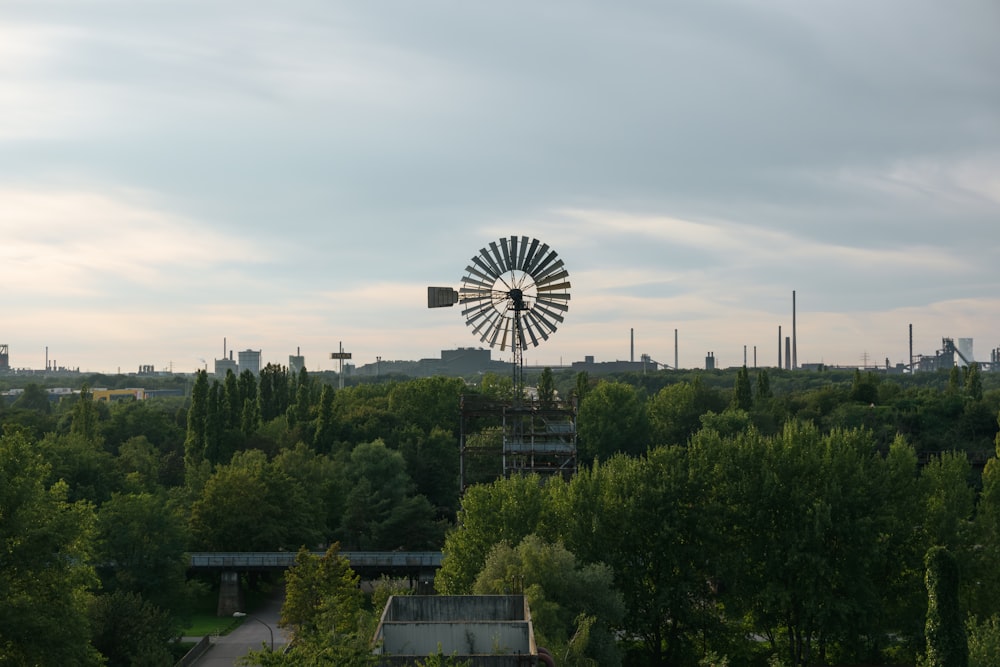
(295, 175)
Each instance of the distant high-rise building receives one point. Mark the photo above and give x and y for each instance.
(250, 361)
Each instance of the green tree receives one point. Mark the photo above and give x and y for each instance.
(612, 419)
(85, 418)
(645, 517)
(984, 641)
(546, 388)
(764, 385)
(382, 511)
(565, 598)
(34, 397)
(325, 428)
(45, 543)
(323, 610)
(251, 505)
(947, 645)
(141, 540)
(973, 382)
(129, 630)
(194, 443)
(505, 510)
(742, 393)
(807, 523)
(232, 400)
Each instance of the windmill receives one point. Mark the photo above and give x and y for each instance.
(514, 294)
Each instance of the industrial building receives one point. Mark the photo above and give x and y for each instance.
(475, 630)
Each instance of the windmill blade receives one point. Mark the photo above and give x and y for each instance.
(529, 256)
(536, 322)
(498, 257)
(474, 271)
(553, 269)
(486, 266)
(542, 323)
(536, 258)
(557, 301)
(526, 322)
(540, 268)
(553, 276)
(495, 332)
(544, 309)
(522, 247)
(476, 309)
(506, 254)
(486, 284)
(484, 255)
(506, 330)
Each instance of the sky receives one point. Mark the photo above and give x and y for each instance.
(292, 176)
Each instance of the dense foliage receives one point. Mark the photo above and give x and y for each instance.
(739, 516)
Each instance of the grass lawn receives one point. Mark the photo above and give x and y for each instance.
(201, 614)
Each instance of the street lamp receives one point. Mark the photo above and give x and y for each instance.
(240, 614)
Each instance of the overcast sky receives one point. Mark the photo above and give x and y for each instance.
(294, 175)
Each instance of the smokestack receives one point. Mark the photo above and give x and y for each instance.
(675, 349)
(744, 355)
(788, 353)
(46, 357)
(911, 349)
(631, 334)
(779, 346)
(755, 356)
(795, 340)
(223, 347)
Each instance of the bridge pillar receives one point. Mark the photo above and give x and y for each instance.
(230, 594)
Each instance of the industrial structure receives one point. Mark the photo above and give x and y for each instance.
(474, 630)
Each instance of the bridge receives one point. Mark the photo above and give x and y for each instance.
(417, 566)
(363, 562)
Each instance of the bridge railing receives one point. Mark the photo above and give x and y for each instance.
(216, 560)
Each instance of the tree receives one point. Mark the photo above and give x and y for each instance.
(141, 540)
(947, 645)
(381, 510)
(325, 429)
(506, 510)
(611, 419)
(251, 505)
(34, 397)
(84, 418)
(973, 382)
(647, 519)
(45, 544)
(323, 610)
(565, 597)
(742, 393)
(129, 630)
(194, 443)
(763, 385)
(546, 388)
(807, 516)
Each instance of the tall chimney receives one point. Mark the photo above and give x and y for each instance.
(779, 347)
(911, 349)
(223, 347)
(631, 335)
(788, 353)
(795, 340)
(675, 349)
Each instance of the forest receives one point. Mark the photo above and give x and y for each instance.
(737, 517)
